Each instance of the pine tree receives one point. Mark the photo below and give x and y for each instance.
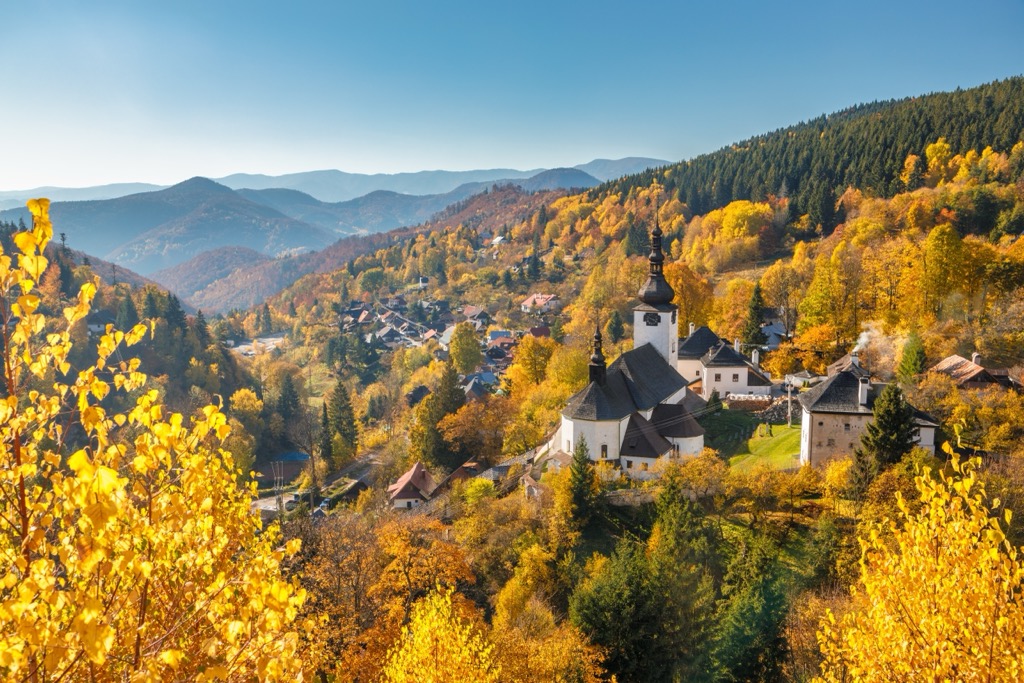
(127, 315)
(614, 330)
(581, 483)
(752, 334)
(202, 330)
(288, 399)
(174, 315)
(150, 305)
(912, 361)
(326, 437)
(891, 433)
(342, 418)
(264, 321)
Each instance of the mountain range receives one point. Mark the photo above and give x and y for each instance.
(339, 186)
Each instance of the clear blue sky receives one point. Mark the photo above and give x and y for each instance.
(99, 92)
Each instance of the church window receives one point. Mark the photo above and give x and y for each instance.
(718, 377)
(629, 464)
(821, 424)
(604, 450)
(846, 427)
(735, 377)
(831, 442)
(643, 466)
(408, 504)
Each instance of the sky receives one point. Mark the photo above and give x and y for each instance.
(101, 92)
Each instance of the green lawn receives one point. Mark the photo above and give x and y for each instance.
(780, 451)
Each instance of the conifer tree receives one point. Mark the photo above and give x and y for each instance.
(202, 330)
(174, 315)
(752, 334)
(912, 361)
(288, 399)
(150, 305)
(581, 483)
(614, 329)
(342, 420)
(326, 436)
(127, 314)
(891, 433)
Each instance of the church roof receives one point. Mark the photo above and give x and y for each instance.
(674, 420)
(698, 343)
(642, 440)
(638, 380)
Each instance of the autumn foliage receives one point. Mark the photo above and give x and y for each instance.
(127, 547)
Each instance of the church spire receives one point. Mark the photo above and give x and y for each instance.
(656, 291)
(597, 366)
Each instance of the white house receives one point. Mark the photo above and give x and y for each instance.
(412, 488)
(636, 412)
(692, 349)
(725, 370)
(541, 303)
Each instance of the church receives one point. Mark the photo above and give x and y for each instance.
(637, 411)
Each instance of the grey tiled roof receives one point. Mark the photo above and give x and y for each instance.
(638, 380)
(698, 343)
(723, 355)
(674, 420)
(642, 440)
(838, 394)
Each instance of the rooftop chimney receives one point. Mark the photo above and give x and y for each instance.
(976, 358)
(736, 344)
(862, 391)
(755, 357)
(855, 359)
(691, 328)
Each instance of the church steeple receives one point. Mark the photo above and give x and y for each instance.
(656, 291)
(597, 366)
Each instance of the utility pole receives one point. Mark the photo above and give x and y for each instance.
(789, 406)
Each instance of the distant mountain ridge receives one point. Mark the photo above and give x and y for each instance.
(337, 186)
(153, 230)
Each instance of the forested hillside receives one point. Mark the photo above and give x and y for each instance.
(866, 147)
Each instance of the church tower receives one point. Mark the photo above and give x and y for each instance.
(654, 319)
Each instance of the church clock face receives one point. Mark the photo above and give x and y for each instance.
(652, 319)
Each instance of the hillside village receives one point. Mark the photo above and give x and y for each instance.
(664, 428)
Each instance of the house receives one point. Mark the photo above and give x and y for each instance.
(692, 349)
(475, 390)
(496, 334)
(848, 363)
(541, 303)
(804, 378)
(416, 394)
(539, 331)
(477, 315)
(412, 488)
(836, 412)
(97, 321)
(970, 374)
(774, 334)
(725, 370)
(633, 412)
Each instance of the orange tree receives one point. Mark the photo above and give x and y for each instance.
(127, 547)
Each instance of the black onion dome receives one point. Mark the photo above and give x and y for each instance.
(656, 291)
